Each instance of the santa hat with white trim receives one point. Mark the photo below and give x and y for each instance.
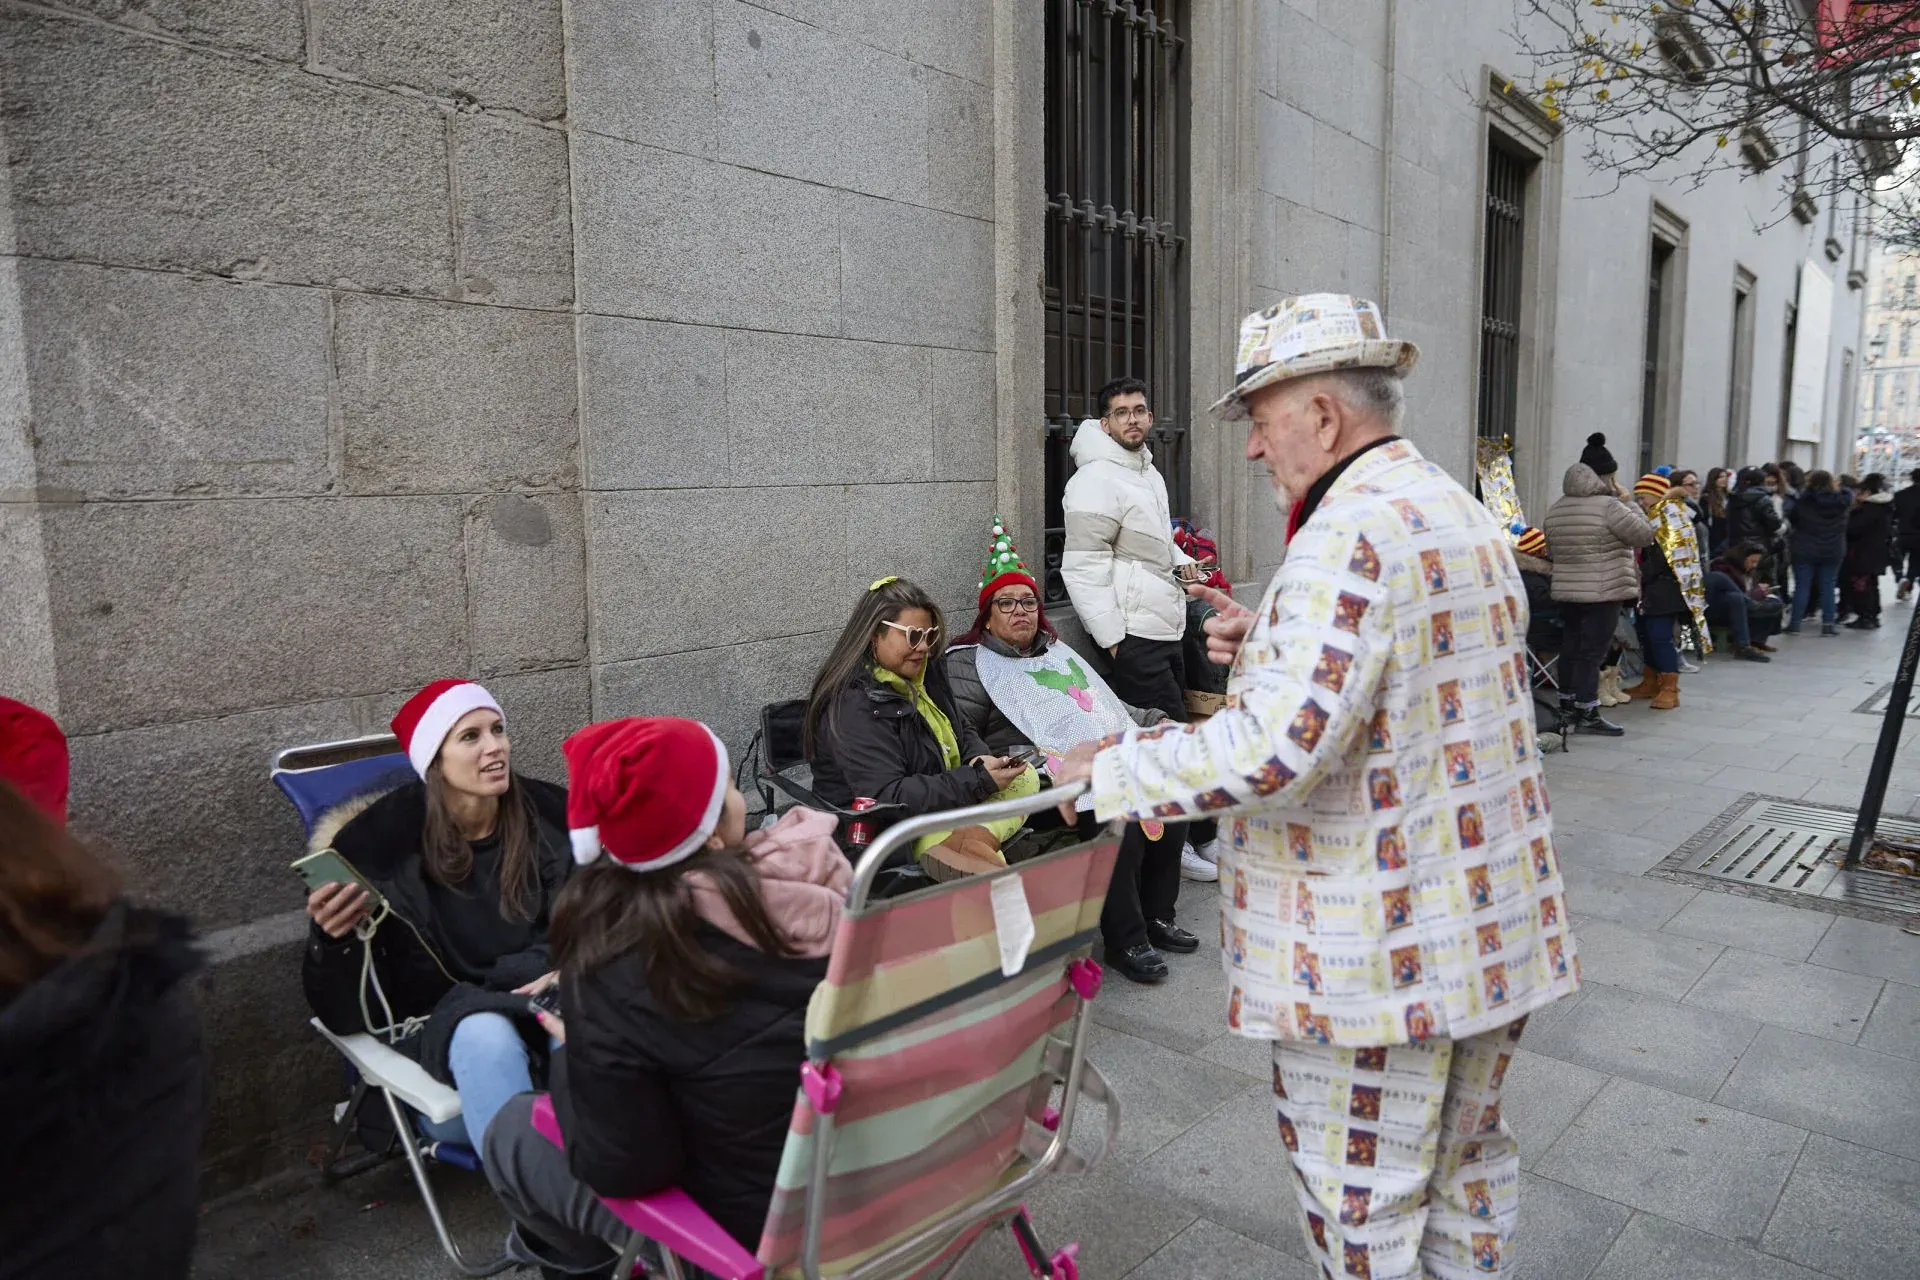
(647, 790)
(426, 719)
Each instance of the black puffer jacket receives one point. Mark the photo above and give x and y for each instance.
(1906, 517)
(1870, 536)
(872, 742)
(1660, 593)
(429, 966)
(105, 1079)
(1819, 522)
(980, 712)
(1751, 517)
(647, 1102)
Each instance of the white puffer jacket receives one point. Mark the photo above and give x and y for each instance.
(1119, 559)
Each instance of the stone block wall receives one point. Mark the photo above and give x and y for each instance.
(600, 352)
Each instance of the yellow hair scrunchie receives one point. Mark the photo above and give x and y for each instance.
(887, 581)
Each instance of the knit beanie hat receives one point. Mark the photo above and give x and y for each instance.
(1004, 565)
(647, 790)
(1651, 485)
(33, 757)
(1532, 542)
(426, 719)
(1596, 456)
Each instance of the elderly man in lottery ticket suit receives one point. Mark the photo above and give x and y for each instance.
(1391, 903)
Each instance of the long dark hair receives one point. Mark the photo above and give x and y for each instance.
(449, 858)
(608, 911)
(1710, 497)
(54, 892)
(853, 651)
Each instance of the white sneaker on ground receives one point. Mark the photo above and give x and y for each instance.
(1195, 867)
(1688, 669)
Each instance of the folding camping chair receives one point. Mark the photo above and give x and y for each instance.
(319, 779)
(925, 1112)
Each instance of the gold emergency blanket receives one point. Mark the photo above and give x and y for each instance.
(1494, 467)
(1673, 531)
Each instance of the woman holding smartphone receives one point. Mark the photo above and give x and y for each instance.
(466, 863)
(881, 724)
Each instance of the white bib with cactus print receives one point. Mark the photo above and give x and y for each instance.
(1055, 698)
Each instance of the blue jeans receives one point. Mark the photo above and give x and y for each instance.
(488, 1060)
(1662, 656)
(1804, 574)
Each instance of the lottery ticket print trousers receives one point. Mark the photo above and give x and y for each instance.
(1402, 1163)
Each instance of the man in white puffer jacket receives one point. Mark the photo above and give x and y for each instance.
(1119, 567)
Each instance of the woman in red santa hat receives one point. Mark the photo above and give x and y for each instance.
(102, 1064)
(688, 950)
(469, 861)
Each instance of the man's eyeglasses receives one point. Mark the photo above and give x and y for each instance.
(917, 637)
(1139, 413)
(1018, 604)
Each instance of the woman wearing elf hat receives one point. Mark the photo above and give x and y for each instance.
(881, 724)
(1016, 684)
(468, 860)
(687, 950)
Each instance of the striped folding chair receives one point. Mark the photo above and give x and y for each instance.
(949, 1022)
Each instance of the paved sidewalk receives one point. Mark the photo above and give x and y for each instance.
(1735, 1095)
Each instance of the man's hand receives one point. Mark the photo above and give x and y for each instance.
(1227, 628)
(1075, 766)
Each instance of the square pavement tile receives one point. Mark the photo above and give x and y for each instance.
(1645, 1038)
(1749, 923)
(1866, 946)
(1660, 964)
(1541, 1097)
(1598, 849)
(1207, 1251)
(1849, 1211)
(1563, 1231)
(1786, 993)
(1186, 1012)
(1631, 900)
(1709, 1167)
(1118, 1223)
(1840, 1090)
(1895, 1025)
(1249, 1057)
(1162, 1093)
(1232, 1169)
(1651, 1248)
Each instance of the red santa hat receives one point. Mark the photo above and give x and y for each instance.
(646, 790)
(33, 757)
(429, 716)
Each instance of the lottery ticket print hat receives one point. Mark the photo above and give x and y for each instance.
(1313, 333)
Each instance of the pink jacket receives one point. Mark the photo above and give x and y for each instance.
(803, 881)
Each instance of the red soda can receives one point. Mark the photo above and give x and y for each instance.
(860, 830)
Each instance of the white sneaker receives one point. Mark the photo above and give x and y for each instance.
(1195, 867)
(1688, 669)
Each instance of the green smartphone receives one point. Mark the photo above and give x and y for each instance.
(327, 867)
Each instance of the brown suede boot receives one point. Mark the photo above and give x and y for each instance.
(1648, 686)
(1669, 695)
(970, 851)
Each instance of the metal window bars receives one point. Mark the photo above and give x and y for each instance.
(1500, 297)
(1116, 172)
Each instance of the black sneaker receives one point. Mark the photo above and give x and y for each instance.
(1171, 937)
(1828, 629)
(1140, 964)
(1591, 721)
(1748, 653)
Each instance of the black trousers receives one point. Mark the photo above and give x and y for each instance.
(1146, 878)
(1153, 673)
(1588, 634)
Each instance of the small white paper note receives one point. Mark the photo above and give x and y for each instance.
(1013, 921)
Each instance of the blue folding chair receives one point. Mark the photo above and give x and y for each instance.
(319, 779)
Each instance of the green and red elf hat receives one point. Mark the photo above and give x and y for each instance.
(1004, 565)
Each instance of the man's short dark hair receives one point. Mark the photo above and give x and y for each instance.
(1119, 387)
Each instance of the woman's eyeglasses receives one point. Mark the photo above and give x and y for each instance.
(916, 637)
(1018, 604)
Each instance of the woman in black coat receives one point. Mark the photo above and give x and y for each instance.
(467, 862)
(1869, 551)
(1818, 515)
(881, 724)
(102, 1064)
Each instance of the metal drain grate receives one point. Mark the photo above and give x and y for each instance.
(1876, 704)
(1786, 851)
